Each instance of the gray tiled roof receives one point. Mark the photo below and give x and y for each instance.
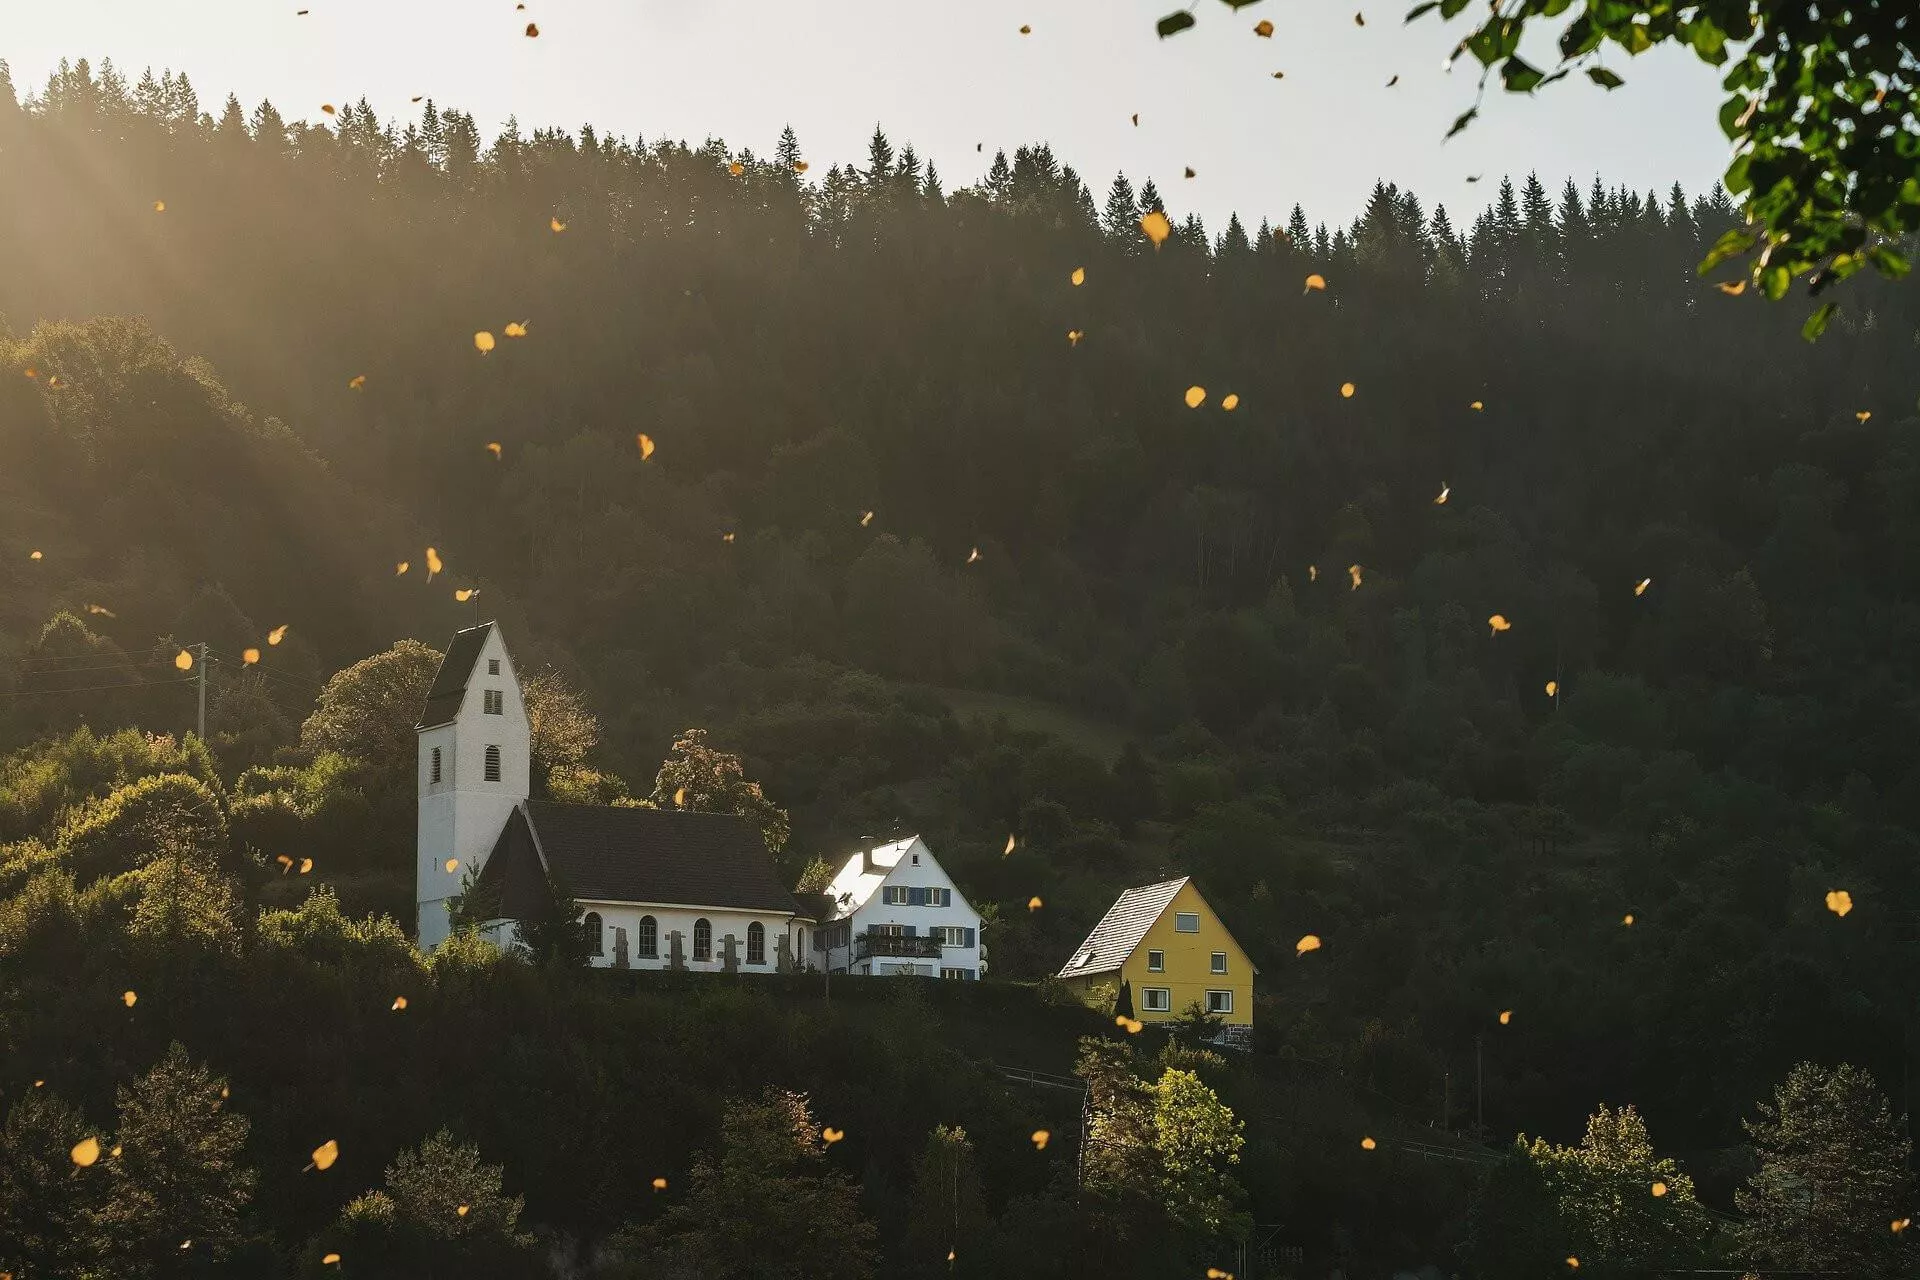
(1122, 928)
(450, 681)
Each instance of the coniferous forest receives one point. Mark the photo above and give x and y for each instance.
(1483, 592)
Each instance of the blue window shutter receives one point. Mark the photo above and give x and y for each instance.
(917, 897)
(911, 932)
(969, 938)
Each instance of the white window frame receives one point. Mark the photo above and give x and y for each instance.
(1225, 1005)
(1180, 919)
(1218, 963)
(950, 935)
(1156, 961)
(957, 975)
(1166, 1000)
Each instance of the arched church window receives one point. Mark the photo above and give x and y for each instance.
(596, 940)
(756, 943)
(702, 939)
(649, 938)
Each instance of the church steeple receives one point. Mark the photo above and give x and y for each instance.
(473, 769)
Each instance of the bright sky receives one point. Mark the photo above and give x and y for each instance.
(945, 75)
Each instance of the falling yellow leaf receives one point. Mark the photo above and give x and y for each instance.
(1040, 1137)
(736, 168)
(129, 998)
(1359, 19)
(680, 797)
(306, 865)
(1901, 1224)
(1863, 415)
(331, 1260)
(286, 863)
(1368, 1144)
(34, 554)
(727, 536)
(1357, 574)
(1445, 491)
(1215, 1273)
(1011, 842)
(452, 865)
(102, 611)
(1659, 1189)
(1732, 289)
(465, 594)
(1315, 281)
(1156, 226)
(159, 206)
(1553, 688)
(533, 31)
(1034, 903)
(356, 382)
(483, 342)
(1136, 119)
(1279, 75)
(85, 1151)
(1132, 1025)
(1640, 587)
(1196, 396)
(400, 568)
(399, 1003)
(433, 563)
(278, 634)
(951, 1255)
(1073, 337)
(515, 329)
(1079, 275)
(1839, 901)
(659, 1184)
(973, 556)
(1263, 29)
(1627, 919)
(30, 373)
(831, 1135)
(799, 166)
(1573, 1262)
(183, 660)
(325, 1154)
(645, 442)
(1346, 391)
(557, 225)
(1191, 173)
(463, 1210)
(1308, 942)
(1313, 573)
(866, 518)
(1506, 1016)
(1025, 30)
(1231, 402)
(1498, 623)
(327, 107)
(1476, 406)
(493, 447)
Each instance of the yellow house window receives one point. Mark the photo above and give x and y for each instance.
(1160, 999)
(1219, 962)
(1219, 1002)
(1186, 922)
(1156, 962)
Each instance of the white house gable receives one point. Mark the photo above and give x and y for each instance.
(896, 910)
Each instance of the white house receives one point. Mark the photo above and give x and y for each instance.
(662, 889)
(893, 909)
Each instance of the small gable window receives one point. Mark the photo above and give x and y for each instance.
(1156, 962)
(494, 702)
(493, 666)
(1186, 922)
(493, 764)
(435, 776)
(649, 938)
(596, 939)
(702, 939)
(1219, 962)
(756, 943)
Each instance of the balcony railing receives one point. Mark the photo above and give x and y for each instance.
(893, 944)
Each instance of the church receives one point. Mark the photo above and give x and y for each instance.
(661, 888)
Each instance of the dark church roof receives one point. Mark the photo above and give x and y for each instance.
(450, 681)
(605, 854)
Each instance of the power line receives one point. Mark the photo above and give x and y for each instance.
(95, 688)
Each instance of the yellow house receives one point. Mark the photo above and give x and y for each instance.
(1162, 947)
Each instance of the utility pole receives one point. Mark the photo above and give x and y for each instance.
(203, 691)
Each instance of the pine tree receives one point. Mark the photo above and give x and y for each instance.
(45, 1202)
(1121, 217)
(930, 188)
(1150, 201)
(999, 177)
(879, 159)
(907, 170)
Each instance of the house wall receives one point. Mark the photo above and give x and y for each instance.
(925, 873)
(615, 915)
(1188, 959)
(462, 815)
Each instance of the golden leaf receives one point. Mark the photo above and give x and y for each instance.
(278, 634)
(1133, 1025)
(1640, 587)
(1073, 337)
(1839, 901)
(1659, 1189)
(1215, 1273)
(1573, 1262)
(286, 863)
(452, 865)
(866, 518)
(463, 1210)
(736, 168)
(99, 609)
(1863, 415)
(1308, 942)
(1196, 396)
(951, 1255)
(187, 1243)
(1553, 688)
(1231, 402)
(356, 382)
(1025, 30)
(399, 1003)
(1263, 29)
(1445, 490)
(1191, 173)
(1627, 919)
(1346, 391)
(327, 107)
(1506, 1016)
(1034, 903)
(1901, 1224)
(129, 998)
(659, 1184)
(332, 1259)
(306, 865)
(493, 447)
(400, 568)
(831, 1135)
(516, 328)
(433, 563)
(1156, 227)
(325, 1154)
(1313, 573)
(483, 342)
(973, 556)
(159, 206)
(1315, 281)
(727, 536)
(799, 166)
(183, 660)
(645, 442)
(1732, 289)
(533, 31)
(1010, 844)
(465, 594)
(1476, 406)
(1279, 75)
(33, 555)
(85, 1151)
(557, 225)
(1368, 1144)
(1079, 275)
(1356, 573)
(30, 373)
(680, 797)
(1040, 1137)
(249, 656)
(1498, 622)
